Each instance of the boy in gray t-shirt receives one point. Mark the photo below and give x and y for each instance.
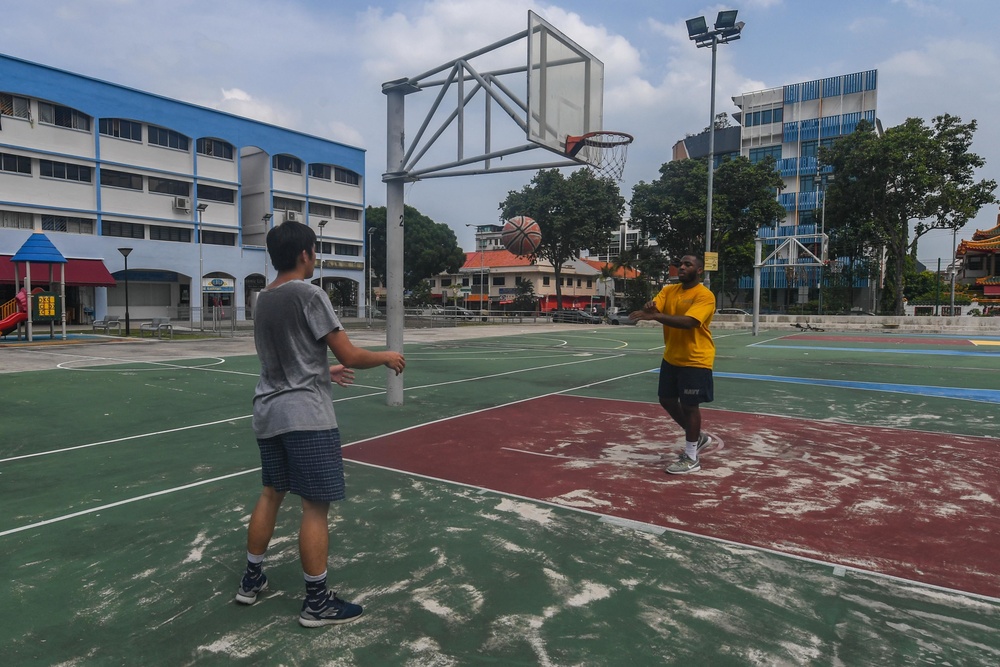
(294, 420)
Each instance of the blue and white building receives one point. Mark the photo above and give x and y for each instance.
(98, 167)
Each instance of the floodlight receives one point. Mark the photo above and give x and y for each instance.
(697, 27)
(726, 19)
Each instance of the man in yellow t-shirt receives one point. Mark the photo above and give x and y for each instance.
(685, 310)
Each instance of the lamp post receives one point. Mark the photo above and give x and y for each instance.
(128, 327)
(201, 263)
(727, 29)
(322, 224)
(371, 316)
(266, 219)
(954, 269)
(482, 267)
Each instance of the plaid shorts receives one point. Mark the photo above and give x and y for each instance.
(307, 463)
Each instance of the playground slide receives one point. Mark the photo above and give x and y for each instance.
(10, 323)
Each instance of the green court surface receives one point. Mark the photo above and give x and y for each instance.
(128, 471)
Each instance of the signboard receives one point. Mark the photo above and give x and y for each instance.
(711, 261)
(217, 285)
(340, 264)
(45, 307)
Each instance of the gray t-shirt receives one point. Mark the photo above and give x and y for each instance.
(291, 322)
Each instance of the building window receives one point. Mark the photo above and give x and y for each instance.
(758, 154)
(590, 283)
(53, 114)
(346, 249)
(159, 136)
(17, 164)
(346, 176)
(68, 224)
(215, 193)
(121, 179)
(974, 262)
(12, 105)
(215, 148)
(16, 220)
(545, 281)
(176, 234)
(809, 148)
(287, 163)
(465, 282)
(342, 213)
(322, 210)
(168, 186)
(321, 171)
(446, 282)
(66, 171)
(120, 128)
(499, 281)
(286, 204)
(123, 229)
(218, 238)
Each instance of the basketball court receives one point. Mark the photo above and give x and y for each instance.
(514, 509)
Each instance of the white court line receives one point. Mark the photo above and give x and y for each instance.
(91, 510)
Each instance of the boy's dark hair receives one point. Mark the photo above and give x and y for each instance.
(285, 242)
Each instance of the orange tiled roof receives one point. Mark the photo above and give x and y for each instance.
(493, 259)
(989, 245)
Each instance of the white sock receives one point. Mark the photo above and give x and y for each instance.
(691, 449)
(256, 559)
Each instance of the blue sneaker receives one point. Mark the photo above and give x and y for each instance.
(250, 587)
(328, 610)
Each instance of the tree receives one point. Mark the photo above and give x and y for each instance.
(428, 247)
(573, 213)
(912, 175)
(672, 209)
(524, 298)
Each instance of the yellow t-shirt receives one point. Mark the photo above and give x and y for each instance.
(688, 347)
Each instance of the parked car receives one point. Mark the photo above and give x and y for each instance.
(458, 313)
(621, 317)
(574, 317)
(732, 311)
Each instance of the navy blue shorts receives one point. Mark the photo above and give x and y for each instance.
(307, 463)
(688, 384)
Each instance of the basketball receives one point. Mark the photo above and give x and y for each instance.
(521, 235)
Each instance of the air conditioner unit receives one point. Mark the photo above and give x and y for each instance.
(293, 216)
(182, 203)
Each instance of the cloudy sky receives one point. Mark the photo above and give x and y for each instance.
(317, 66)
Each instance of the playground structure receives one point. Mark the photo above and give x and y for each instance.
(36, 305)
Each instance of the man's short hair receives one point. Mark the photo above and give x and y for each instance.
(285, 242)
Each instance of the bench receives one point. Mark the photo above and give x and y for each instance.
(157, 325)
(108, 323)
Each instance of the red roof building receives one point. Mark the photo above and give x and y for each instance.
(980, 265)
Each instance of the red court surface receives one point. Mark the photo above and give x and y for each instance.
(909, 504)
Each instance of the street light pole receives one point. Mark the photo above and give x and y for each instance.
(371, 316)
(480, 245)
(201, 264)
(954, 268)
(727, 29)
(322, 224)
(266, 219)
(128, 326)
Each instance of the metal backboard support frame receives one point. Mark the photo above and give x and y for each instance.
(565, 88)
(789, 252)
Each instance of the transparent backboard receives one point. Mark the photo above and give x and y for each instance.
(565, 89)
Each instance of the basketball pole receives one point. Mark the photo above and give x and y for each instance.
(394, 182)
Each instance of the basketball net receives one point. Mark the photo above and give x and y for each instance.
(606, 152)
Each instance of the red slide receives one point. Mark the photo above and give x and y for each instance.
(8, 324)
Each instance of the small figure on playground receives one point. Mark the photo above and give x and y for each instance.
(685, 310)
(294, 419)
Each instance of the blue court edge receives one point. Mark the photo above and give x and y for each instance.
(882, 350)
(982, 395)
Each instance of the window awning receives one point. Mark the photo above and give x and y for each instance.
(79, 272)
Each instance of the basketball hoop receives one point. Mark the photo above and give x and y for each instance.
(606, 152)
